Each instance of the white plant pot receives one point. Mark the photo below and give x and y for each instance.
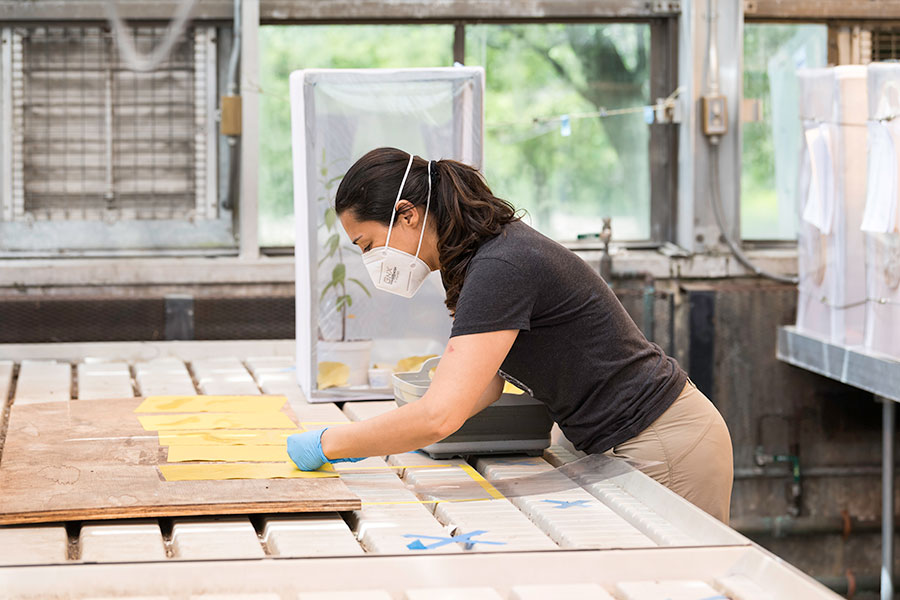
(356, 355)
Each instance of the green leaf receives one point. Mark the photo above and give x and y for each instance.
(330, 217)
(332, 243)
(345, 300)
(325, 290)
(330, 247)
(330, 183)
(338, 274)
(359, 283)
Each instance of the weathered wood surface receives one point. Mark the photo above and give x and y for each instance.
(91, 459)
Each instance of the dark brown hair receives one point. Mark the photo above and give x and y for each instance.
(463, 209)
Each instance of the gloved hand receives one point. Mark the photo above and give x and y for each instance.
(305, 449)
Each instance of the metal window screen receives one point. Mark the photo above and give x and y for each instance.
(885, 44)
(100, 141)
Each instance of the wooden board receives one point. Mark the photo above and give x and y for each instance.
(92, 459)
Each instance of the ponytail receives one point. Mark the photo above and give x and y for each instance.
(467, 215)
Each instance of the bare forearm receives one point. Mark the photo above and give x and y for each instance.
(465, 382)
(402, 430)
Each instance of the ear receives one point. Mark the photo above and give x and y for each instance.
(407, 213)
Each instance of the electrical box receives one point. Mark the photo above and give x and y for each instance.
(715, 115)
(231, 115)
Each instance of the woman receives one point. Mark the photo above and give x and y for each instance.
(527, 310)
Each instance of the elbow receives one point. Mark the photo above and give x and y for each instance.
(447, 428)
(443, 424)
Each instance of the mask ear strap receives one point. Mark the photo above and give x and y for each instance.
(427, 205)
(387, 243)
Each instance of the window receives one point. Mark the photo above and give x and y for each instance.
(284, 49)
(97, 157)
(99, 139)
(885, 43)
(772, 132)
(546, 150)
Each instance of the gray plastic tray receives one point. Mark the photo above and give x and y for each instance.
(514, 424)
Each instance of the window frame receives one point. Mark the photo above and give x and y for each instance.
(663, 17)
(663, 79)
(772, 243)
(23, 235)
(838, 16)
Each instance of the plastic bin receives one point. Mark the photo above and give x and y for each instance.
(817, 91)
(883, 238)
(848, 243)
(514, 424)
(831, 248)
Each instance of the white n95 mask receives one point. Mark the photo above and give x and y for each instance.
(391, 269)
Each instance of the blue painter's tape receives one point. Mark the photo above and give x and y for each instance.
(565, 504)
(565, 126)
(465, 538)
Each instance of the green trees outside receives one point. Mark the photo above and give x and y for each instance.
(567, 176)
(771, 146)
(284, 49)
(567, 183)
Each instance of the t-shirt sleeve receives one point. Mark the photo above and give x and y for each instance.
(496, 296)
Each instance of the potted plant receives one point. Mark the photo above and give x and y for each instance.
(342, 361)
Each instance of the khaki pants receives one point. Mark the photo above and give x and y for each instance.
(692, 443)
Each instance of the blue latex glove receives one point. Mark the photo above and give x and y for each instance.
(305, 449)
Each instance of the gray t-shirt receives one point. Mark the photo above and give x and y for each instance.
(577, 351)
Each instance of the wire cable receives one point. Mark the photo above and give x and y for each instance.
(125, 41)
(712, 78)
(716, 201)
(601, 113)
(234, 59)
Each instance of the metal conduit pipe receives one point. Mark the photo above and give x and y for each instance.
(234, 59)
(786, 525)
(773, 473)
(227, 195)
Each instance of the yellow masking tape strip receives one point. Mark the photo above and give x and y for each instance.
(218, 472)
(388, 503)
(226, 453)
(350, 467)
(273, 420)
(475, 475)
(217, 404)
(250, 437)
(319, 424)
